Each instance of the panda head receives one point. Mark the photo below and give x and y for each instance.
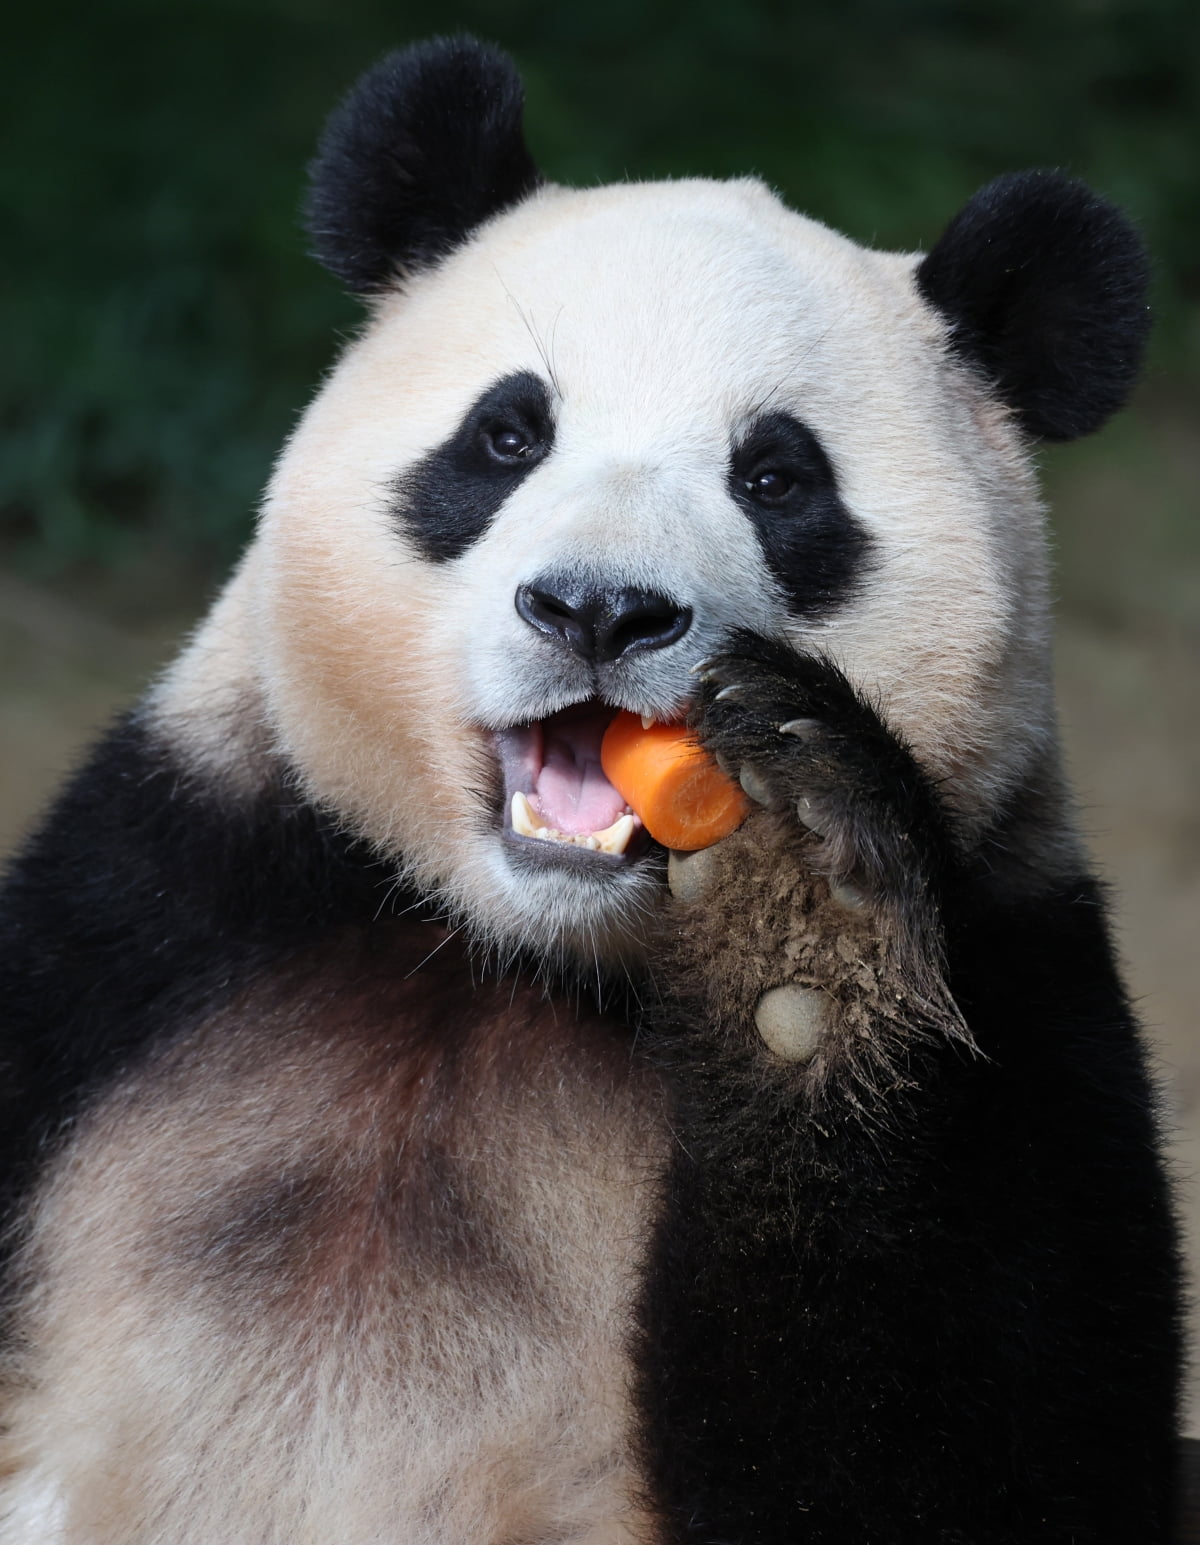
(587, 433)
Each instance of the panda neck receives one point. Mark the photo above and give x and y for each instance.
(211, 704)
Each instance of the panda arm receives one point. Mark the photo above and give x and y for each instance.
(913, 1280)
(148, 897)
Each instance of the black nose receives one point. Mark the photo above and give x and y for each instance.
(598, 623)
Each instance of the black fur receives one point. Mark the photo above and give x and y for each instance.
(146, 900)
(941, 1311)
(1044, 284)
(451, 496)
(812, 544)
(426, 147)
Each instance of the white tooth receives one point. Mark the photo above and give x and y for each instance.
(524, 822)
(615, 838)
(648, 721)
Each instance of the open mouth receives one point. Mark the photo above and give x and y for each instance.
(556, 794)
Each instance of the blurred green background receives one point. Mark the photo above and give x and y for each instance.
(161, 325)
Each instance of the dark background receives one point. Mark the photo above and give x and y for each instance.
(161, 326)
(161, 323)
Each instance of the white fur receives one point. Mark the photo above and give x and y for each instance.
(665, 316)
(176, 1392)
(35, 1510)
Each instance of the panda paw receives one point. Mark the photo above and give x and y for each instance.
(806, 745)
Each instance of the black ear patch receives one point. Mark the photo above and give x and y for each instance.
(425, 148)
(1044, 284)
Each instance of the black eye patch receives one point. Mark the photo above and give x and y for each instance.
(451, 496)
(781, 477)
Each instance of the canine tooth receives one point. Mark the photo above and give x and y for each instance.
(524, 822)
(615, 838)
(648, 721)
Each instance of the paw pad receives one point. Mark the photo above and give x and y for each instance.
(791, 1020)
(690, 875)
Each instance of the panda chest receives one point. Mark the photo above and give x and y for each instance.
(374, 1225)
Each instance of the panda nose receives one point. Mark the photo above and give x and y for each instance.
(602, 624)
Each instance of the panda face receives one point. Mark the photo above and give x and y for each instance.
(561, 467)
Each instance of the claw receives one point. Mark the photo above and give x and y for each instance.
(754, 785)
(847, 895)
(731, 690)
(703, 667)
(800, 727)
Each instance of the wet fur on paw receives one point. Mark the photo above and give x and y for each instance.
(833, 884)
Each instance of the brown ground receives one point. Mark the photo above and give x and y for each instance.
(1130, 690)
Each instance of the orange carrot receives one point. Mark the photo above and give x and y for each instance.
(683, 798)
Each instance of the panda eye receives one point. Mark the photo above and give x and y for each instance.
(505, 444)
(770, 486)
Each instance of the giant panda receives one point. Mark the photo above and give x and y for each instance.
(383, 1172)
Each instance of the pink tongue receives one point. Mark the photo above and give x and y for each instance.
(572, 794)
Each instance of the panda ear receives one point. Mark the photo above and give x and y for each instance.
(426, 147)
(1044, 286)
